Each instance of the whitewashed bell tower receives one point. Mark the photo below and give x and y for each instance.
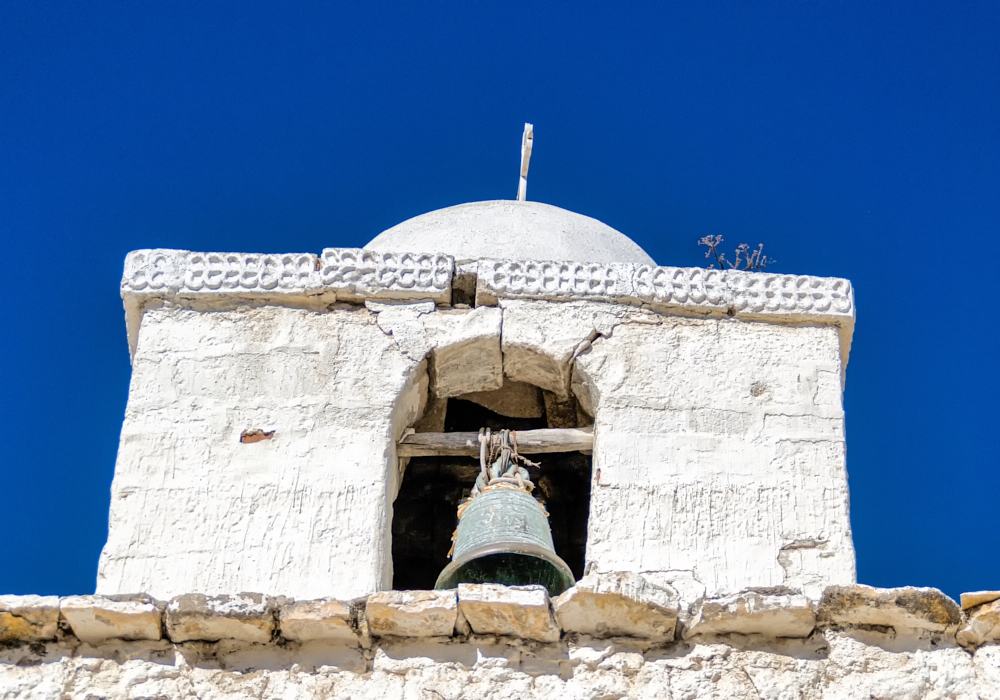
(303, 431)
(714, 400)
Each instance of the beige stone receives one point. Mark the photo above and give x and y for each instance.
(466, 351)
(907, 608)
(402, 322)
(247, 617)
(364, 634)
(463, 344)
(513, 611)
(974, 598)
(754, 613)
(310, 620)
(432, 420)
(618, 604)
(561, 414)
(982, 625)
(28, 618)
(95, 619)
(538, 348)
(412, 613)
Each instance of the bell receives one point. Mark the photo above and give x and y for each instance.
(503, 537)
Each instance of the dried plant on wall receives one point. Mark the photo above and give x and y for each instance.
(745, 259)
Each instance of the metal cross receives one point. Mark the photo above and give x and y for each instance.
(529, 136)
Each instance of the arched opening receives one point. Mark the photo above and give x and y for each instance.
(424, 513)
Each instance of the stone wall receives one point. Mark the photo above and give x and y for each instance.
(195, 509)
(612, 636)
(719, 454)
(268, 393)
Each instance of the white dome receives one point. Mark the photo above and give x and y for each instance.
(510, 230)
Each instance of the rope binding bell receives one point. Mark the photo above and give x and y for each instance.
(503, 533)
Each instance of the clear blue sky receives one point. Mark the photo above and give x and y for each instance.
(859, 140)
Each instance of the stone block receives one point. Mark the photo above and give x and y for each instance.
(907, 608)
(750, 612)
(678, 290)
(95, 619)
(432, 419)
(356, 274)
(310, 620)
(512, 611)
(618, 605)
(412, 613)
(466, 350)
(401, 321)
(541, 339)
(975, 598)
(982, 626)
(248, 617)
(28, 618)
(561, 414)
(553, 281)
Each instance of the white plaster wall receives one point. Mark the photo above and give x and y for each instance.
(719, 453)
(305, 514)
(835, 668)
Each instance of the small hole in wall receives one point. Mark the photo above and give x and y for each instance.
(424, 511)
(251, 436)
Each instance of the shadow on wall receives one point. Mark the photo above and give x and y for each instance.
(424, 513)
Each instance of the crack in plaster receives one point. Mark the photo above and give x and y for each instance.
(401, 323)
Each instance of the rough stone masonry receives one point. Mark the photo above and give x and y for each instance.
(716, 398)
(611, 636)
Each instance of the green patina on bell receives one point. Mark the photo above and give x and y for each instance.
(503, 537)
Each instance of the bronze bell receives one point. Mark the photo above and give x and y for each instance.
(503, 533)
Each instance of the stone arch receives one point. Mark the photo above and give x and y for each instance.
(476, 371)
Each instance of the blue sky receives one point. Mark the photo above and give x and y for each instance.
(859, 140)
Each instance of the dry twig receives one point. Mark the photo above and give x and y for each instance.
(745, 259)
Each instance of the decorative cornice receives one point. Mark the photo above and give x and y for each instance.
(346, 273)
(687, 291)
(339, 274)
(825, 300)
(358, 274)
(355, 275)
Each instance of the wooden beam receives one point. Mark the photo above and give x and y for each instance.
(529, 442)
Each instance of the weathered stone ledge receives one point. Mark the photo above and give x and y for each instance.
(600, 606)
(700, 291)
(830, 664)
(356, 275)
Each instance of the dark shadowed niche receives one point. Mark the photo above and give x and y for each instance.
(424, 511)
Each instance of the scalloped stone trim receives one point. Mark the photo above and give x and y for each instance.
(356, 275)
